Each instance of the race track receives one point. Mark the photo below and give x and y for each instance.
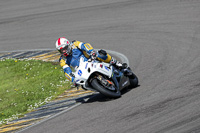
(161, 39)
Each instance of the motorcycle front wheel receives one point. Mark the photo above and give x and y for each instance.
(133, 81)
(100, 88)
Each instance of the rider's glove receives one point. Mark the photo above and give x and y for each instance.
(113, 61)
(93, 55)
(117, 63)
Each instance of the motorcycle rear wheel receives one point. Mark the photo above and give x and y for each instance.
(100, 88)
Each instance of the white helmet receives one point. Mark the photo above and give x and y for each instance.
(63, 46)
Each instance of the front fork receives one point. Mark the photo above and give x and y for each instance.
(108, 83)
(123, 80)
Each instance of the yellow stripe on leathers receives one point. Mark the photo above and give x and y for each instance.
(76, 44)
(86, 55)
(62, 62)
(68, 77)
(88, 46)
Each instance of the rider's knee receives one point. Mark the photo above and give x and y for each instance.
(102, 54)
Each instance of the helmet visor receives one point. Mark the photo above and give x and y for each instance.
(65, 50)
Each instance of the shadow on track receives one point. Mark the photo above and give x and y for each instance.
(101, 98)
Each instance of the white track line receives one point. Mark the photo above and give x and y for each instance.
(51, 117)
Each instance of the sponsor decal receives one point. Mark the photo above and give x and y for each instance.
(86, 66)
(76, 67)
(106, 68)
(79, 72)
(124, 83)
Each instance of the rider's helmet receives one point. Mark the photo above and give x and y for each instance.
(63, 46)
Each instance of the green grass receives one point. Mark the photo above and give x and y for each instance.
(28, 84)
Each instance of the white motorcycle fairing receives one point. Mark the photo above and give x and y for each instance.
(87, 68)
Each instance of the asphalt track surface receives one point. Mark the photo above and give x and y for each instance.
(161, 39)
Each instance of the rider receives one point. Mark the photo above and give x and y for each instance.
(71, 52)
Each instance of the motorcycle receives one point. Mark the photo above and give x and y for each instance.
(104, 78)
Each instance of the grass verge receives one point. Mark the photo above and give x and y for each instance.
(28, 84)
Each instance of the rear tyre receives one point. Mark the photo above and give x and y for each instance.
(96, 85)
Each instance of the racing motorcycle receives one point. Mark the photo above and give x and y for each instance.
(104, 78)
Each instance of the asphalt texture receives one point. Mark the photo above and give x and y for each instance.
(161, 39)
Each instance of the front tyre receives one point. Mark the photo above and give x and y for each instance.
(96, 85)
(133, 81)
